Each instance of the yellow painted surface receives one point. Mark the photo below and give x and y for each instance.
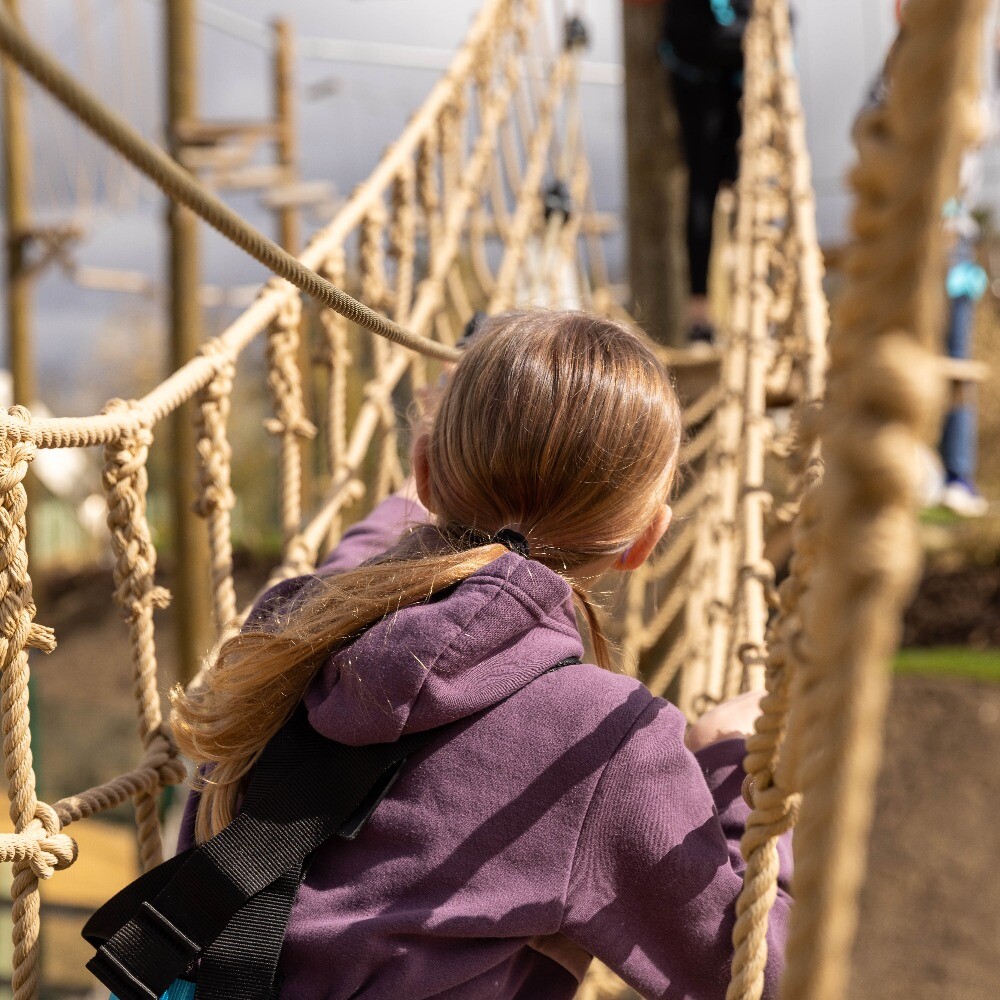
(108, 860)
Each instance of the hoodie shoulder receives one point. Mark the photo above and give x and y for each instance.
(583, 699)
(446, 659)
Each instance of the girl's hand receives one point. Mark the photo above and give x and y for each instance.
(732, 719)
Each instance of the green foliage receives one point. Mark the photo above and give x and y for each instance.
(956, 661)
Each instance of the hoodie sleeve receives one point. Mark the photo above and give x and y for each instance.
(374, 534)
(657, 870)
(368, 537)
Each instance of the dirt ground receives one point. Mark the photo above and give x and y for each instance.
(930, 923)
(930, 926)
(956, 607)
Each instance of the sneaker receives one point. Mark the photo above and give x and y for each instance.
(960, 498)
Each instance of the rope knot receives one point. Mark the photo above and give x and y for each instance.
(284, 378)
(136, 597)
(215, 491)
(219, 387)
(19, 452)
(126, 480)
(126, 457)
(300, 425)
(50, 850)
(752, 654)
(163, 757)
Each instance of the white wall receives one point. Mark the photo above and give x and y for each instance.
(839, 50)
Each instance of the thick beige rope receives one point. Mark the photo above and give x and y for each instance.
(290, 424)
(137, 594)
(216, 499)
(883, 394)
(776, 801)
(36, 847)
(402, 239)
(336, 358)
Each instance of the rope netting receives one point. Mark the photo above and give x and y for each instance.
(833, 624)
(708, 588)
(458, 217)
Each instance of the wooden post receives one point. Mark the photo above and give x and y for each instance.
(18, 214)
(289, 235)
(17, 211)
(656, 180)
(288, 209)
(192, 597)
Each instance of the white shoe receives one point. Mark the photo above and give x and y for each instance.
(962, 500)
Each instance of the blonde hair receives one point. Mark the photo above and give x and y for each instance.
(560, 425)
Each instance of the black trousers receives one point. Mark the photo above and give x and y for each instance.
(709, 115)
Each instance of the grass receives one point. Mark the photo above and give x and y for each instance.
(939, 515)
(955, 661)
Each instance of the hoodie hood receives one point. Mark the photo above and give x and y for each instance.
(448, 658)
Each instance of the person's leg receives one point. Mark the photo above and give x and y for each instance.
(958, 438)
(959, 433)
(958, 445)
(693, 110)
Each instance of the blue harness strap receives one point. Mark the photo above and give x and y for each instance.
(179, 989)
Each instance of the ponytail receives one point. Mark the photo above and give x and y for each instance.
(262, 673)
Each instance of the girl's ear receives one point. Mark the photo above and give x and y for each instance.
(639, 551)
(422, 470)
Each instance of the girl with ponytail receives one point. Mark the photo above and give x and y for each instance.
(559, 815)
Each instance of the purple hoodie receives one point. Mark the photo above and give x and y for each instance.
(554, 821)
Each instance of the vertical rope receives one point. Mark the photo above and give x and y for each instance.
(731, 413)
(289, 424)
(373, 284)
(694, 677)
(402, 239)
(775, 799)
(493, 196)
(755, 573)
(882, 394)
(216, 499)
(428, 196)
(126, 481)
(18, 632)
(811, 307)
(337, 359)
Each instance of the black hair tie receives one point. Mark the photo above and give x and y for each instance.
(513, 540)
(507, 537)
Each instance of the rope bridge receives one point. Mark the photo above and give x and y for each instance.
(482, 202)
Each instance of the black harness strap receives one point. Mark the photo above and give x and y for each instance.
(243, 960)
(228, 900)
(166, 919)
